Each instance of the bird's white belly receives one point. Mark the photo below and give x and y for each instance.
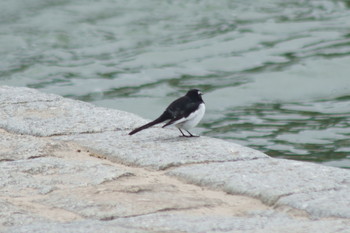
(193, 119)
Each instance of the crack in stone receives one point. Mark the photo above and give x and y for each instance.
(171, 167)
(6, 160)
(36, 157)
(82, 133)
(29, 102)
(169, 209)
(65, 133)
(274, 203)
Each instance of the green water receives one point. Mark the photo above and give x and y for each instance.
(275, 73)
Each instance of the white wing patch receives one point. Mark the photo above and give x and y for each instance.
(192, 120)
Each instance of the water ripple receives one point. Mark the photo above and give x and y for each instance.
(275, 72)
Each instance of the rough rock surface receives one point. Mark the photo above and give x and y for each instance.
(57, 116)
(319, 190)
(161, 149)
(68, 166)
(15, 147)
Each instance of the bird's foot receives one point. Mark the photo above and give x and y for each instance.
(188, 136)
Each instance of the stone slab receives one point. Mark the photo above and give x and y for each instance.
(263, 223)
(63, 116)
(162, 148)
(17, 147)
(85, 226)
(326, 203)
(12, 215)
(271, 179)
(180, 222)
(113, 200)
(18, 95)
(44, 175)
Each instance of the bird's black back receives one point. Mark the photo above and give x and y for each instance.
(182, 107)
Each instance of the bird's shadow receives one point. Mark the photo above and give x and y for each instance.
(164, 138)
(178, 138)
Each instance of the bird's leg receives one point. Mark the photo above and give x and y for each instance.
(191, 135)
(183, 135)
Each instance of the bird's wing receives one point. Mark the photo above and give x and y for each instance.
(181, 111)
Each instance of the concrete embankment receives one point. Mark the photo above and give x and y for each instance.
(69, 166)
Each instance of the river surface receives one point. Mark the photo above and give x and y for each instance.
(275, 73)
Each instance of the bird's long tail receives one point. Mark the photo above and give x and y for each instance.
(160, 119)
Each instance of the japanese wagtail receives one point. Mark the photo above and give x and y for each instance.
(184, 113)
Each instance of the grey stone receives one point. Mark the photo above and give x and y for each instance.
(114, 200)
(16, 147)
(85, 226)
(162, 148)
(12, 215)
(43, 175)
(264, 223)
(180, 222)
(63, 116)
(20, 95)
(326, 203)
(266, 179)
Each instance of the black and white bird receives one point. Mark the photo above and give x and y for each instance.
(184, 113)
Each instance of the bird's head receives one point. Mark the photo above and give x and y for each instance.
(195, 94)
